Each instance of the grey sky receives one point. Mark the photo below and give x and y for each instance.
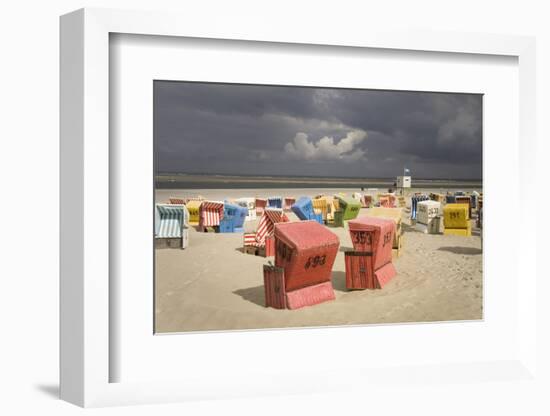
(253, 129)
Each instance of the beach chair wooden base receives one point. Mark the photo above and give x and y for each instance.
(267, 250)
(464, 232)
(277, 297)
(432, 228)
(255, 250)
(203, 229)
(162, 243)
(250, 250)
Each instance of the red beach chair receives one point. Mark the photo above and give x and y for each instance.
(177, 201)
(370, 265)
(288, 202)
(261, 204)
(366, 201)
(210, 214)
(263, 237)
(304, 255)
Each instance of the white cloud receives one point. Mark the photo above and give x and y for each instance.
(326, 148)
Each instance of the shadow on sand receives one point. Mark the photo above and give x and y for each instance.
(339, 281)
(344, 249)
(407, 228)
(252, 294)
(470, 251)
(256, 294)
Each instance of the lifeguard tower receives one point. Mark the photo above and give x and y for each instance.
(404, 181)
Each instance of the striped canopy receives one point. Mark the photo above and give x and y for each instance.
(275, 202)
(211, 213)
(177, 201)
(170, 220)
(267, 223)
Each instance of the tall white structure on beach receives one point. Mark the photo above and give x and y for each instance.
(405, 180)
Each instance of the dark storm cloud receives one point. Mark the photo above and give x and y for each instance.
(240, 129)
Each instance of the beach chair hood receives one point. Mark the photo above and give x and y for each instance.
(211, 213)
(266, 226)
(170, 220)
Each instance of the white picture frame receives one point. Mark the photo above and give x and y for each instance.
(85, 217)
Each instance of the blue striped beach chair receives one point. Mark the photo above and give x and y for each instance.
(303, 208)
(172, 222)
(415, 199)
(275, 202)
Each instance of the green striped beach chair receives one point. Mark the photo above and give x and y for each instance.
(171, 226)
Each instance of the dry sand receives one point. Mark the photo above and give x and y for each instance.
(212, 285)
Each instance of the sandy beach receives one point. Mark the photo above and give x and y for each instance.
(212, 285)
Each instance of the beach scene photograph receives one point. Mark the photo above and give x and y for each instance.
(295, 207)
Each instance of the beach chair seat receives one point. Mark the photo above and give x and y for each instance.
(396, 215)
(262, 239)
(428, 217)
(171, 226)
(369, 265)
(338, 219)
(456, 220)
(233, 218)
(210, 214)
(193, 207)
(303, 208)
(275, 202)
(349, 206)
(367, 201)
(288, 202)
(260, 204)
(415, 199)
(250, 205)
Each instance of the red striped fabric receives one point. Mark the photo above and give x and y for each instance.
(249, 239)
(210, 213)
(177, 201)
(266, 227)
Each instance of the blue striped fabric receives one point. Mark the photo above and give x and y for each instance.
(275, 202)
(415, 199)
(170, 220)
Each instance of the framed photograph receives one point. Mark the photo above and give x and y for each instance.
(281, 213)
